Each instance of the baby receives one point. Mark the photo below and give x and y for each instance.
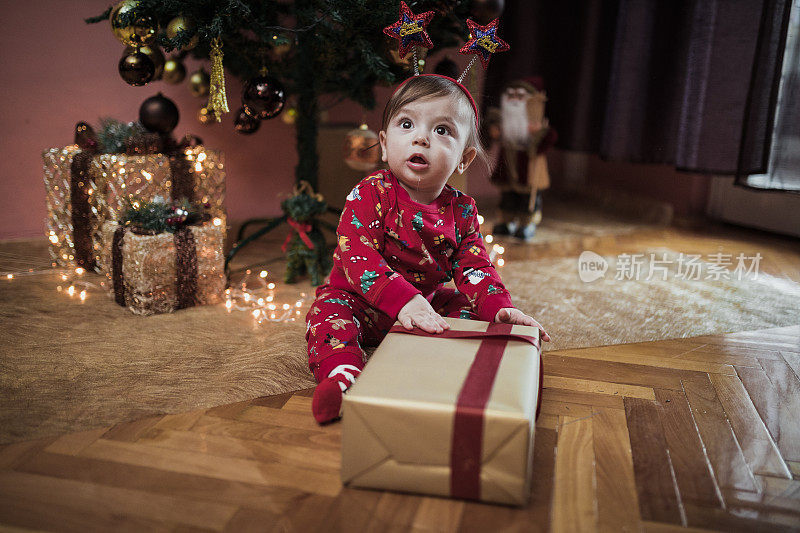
(402, 235)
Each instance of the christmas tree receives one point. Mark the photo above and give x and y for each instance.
(313, 47)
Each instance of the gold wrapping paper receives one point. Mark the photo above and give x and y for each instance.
(115, 178)
(57, 181)
(147, 176)
(149, 267)
(397, 425)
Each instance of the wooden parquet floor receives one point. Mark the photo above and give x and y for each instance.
(652, 436)
(699, 433)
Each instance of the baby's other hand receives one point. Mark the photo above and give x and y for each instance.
(512, 315)
(418, 312)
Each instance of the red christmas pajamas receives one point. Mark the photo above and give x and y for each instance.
(390, 249)
(340, 323)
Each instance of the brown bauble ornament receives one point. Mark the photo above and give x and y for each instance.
(206, 117)
(159, 114)
(361, 149)
(142, 31)
(155, 55)
(244, 123)
(174, 71)
(136, 69)
(179, 24)
(199, 83)
(485, 11)
(263, 97)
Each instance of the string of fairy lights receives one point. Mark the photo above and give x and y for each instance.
(255, 293)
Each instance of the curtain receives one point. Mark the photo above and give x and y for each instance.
(781, 171)
(684, 83)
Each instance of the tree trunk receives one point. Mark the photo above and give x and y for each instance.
(306, 87)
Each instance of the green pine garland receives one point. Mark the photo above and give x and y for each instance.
(158, 216)
(113, 134)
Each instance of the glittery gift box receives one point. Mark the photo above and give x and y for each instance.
(147, 176)
(59, 224)
(112, 179)
(448, 415)
(147, 274)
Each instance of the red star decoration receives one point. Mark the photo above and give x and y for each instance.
(410, 29)
(483, 41)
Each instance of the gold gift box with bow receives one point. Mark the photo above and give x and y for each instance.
(398, 418)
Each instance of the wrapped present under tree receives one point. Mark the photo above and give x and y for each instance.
(89, 182)
(164, 256)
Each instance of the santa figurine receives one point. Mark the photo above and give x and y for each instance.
(520, 171)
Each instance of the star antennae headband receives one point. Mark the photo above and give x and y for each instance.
(410, 32)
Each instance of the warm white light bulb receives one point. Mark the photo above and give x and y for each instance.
(263, 274)
(489, 239)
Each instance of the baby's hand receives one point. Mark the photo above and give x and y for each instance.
(512, 315)
(418, 312)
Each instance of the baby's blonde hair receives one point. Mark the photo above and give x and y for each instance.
(434, 87)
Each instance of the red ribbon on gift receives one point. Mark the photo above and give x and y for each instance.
(302, 230)
(466, 449)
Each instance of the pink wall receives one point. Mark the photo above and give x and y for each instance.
(57, 71)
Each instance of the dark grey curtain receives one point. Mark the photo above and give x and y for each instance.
(651, 81)
(782, 160)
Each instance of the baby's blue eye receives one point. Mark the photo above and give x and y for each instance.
(441, 130)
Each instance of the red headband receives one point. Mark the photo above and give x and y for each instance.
(464, 89)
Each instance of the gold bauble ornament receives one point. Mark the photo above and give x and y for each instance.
(205, 116)
(142, 31)
(407, 63)
(289, 116)
(200, 83)
(155, 55)
(281, 45)
(361, 149)
(179, 24)
(174, 71)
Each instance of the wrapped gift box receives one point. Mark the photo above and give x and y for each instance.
(124, 176)
(110, 180)
(164, 272)
(73, 234)
(447, 415)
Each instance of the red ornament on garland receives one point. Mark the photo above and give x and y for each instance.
(483, 41)
(410, 30)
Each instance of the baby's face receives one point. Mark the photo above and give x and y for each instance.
(424, 144)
